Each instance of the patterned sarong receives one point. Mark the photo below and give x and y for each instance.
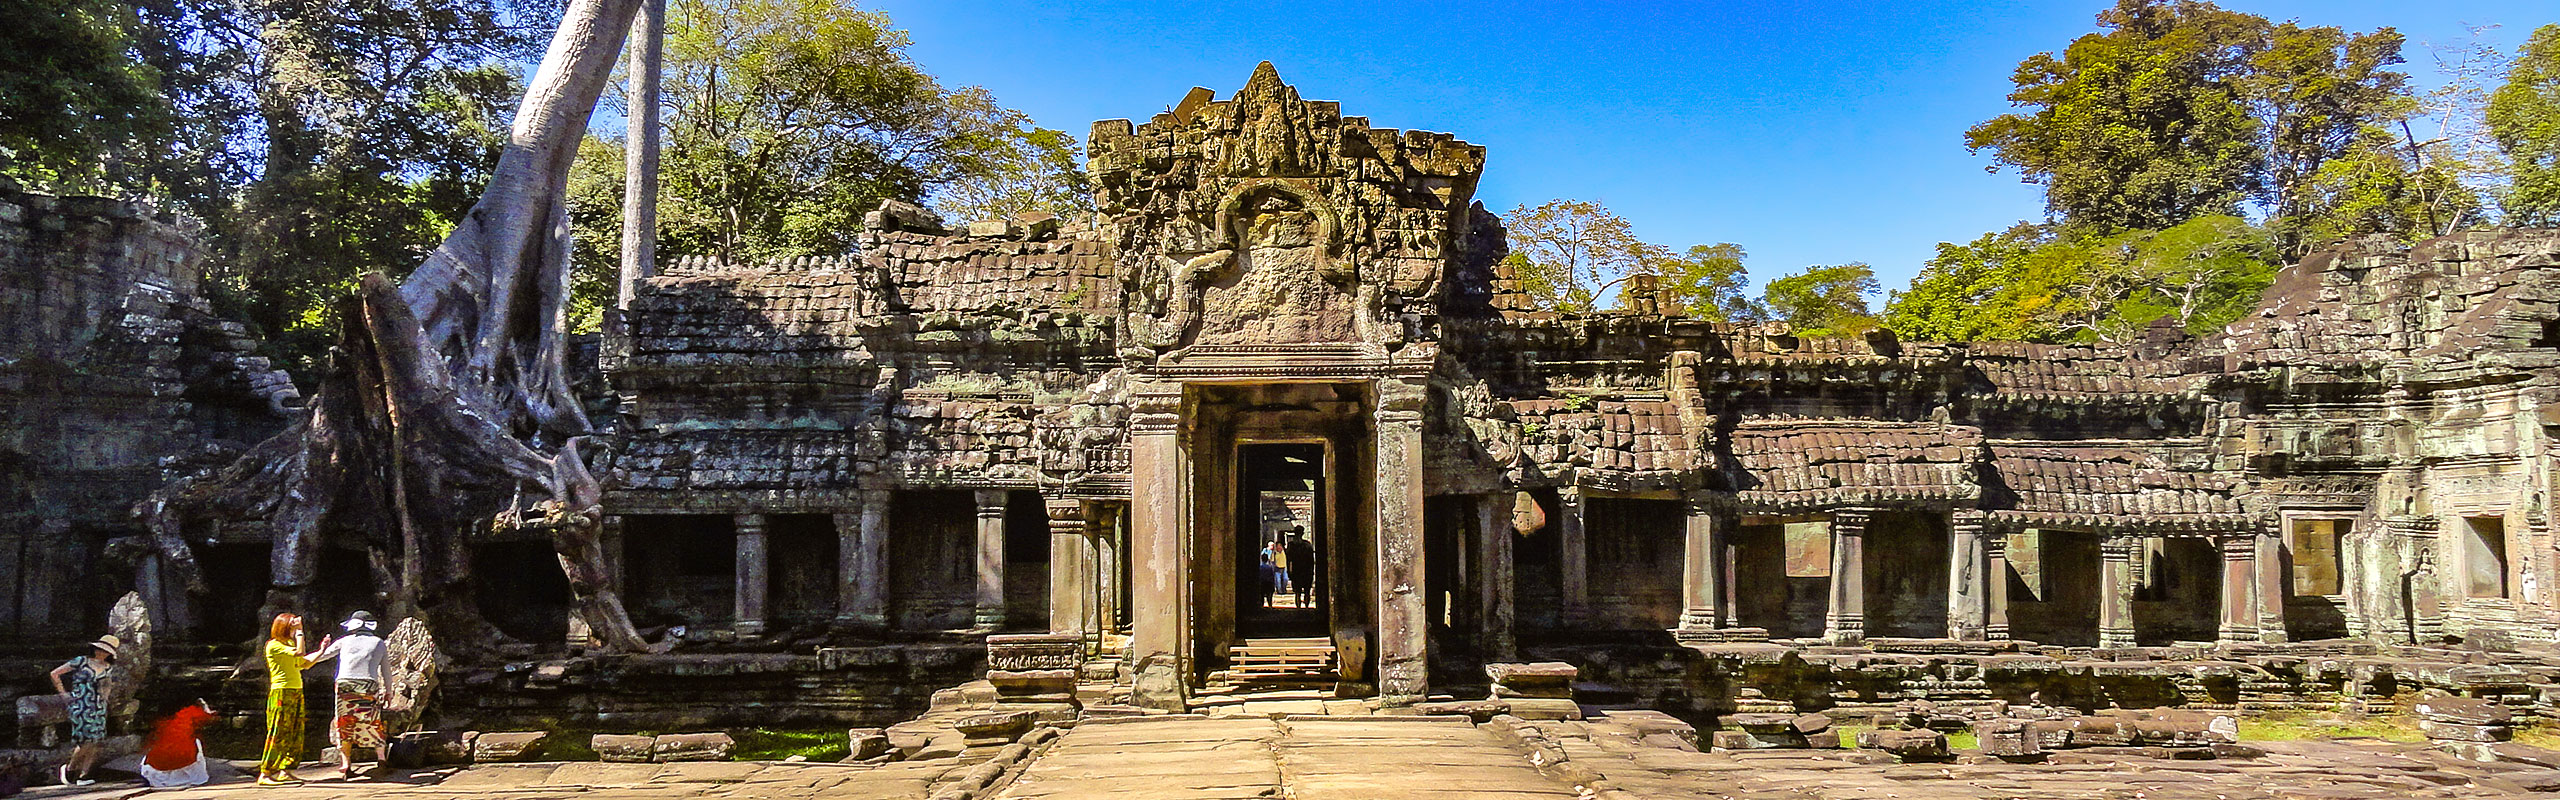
(284, 731)
(359, 724)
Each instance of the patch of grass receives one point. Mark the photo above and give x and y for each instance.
(760, 744)
(1956, 740)
(2293, 727)
(570, 745)
(2538, 736)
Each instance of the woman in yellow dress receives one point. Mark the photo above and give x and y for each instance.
(286, 659)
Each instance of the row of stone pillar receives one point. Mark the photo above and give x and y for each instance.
(1978, 586)
(862, 555)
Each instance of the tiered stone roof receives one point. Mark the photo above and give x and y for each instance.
(1809, 464)
(2107, 485)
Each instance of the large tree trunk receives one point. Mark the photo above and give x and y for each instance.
(446, 397)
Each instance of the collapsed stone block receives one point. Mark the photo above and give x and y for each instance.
(1545, 679)
(2008, 739)
(442, 748)
(2462, 711)
(2458, 732)
(993, 729)
(1906, 745)
(864, 744)
(622, 748)
(692, 747)
(503, 747)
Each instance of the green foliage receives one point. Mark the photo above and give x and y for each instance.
(1571, 255)
(1823, 300)
(1033, 169)
(1707, 283)
(595, 223)
(789, 119)
(74, 97)
(2048, 283)
(2374, 188)
(2524, 116)
(2141, 126)
(2179, 109)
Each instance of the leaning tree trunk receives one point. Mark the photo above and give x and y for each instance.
(445, 397)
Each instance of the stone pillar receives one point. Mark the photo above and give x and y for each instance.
(752, 583)
(2115, 590)
(1995, 606)
(991, 558)
(1159, 603)
(1702, 569)
(2266, 556)
(1109, 569)
(1573, 559)
(1404, 657)
(1070, 568)
(1969, 576)
(2239, 587)
(1845, 622)
(1495, 608)
(862, 558)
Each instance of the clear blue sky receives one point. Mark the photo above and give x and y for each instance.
(1809, 133)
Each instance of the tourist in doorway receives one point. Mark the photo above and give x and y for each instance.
(358, 725)
(1276, 553)
(286, 659)
(1270, 580)
(81, 682)
(1302, 566)
(175, 758)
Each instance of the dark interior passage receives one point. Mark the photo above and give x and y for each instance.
(521, 590)
(1636, 550)
(1026, 562)
(1787, 567)
(933, 560)
(2178, 595)
(1906, 555)
(2053, 587)
(1280, 493)
(680, 569)
(801, 568)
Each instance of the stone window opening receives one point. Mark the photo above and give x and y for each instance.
(2484, 556)
(2312, 558)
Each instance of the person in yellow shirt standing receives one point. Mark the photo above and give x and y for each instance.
(286, 659)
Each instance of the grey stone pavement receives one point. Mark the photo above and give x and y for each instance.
(1337, 758)
(1445, 758)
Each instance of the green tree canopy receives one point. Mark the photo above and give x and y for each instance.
(788, 119)
(1706, 282)
(2524, 117)
(1572, 255)
(2054, 283)
(1823, 300)
(75, 100)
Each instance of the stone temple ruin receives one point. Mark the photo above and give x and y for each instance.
(1285, 318)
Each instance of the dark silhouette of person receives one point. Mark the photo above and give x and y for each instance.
(1302, 565)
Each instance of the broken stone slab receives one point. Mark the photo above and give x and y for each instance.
(442, 748)
(2462, 711)
(505, 746)
(692, 747)
(1786, 739)
(622, 748)
(1043, 683)
(1908, 746)
(864, 744)
(2458, 732)
(2181, 728)
(2009, 739)
(1544, 708)
(1477, 711)
(994, 728)
(1556, 674)
(1811, 724)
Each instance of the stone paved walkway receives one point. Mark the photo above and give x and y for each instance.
(1346, 758)
(584, 780)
